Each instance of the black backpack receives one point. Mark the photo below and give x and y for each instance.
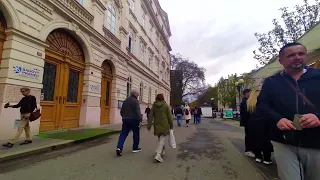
(187, 112)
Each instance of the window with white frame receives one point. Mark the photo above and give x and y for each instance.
(150, 60)
(157, 66)
(131, 4)
(142, 52)
(111, 19)
(141, 92)
(131, 41)
(143, 17)
(129, 84)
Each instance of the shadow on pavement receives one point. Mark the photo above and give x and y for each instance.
(270, 171)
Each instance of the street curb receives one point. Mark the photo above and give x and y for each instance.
(53, 147)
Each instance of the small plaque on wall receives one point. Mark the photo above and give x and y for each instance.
(16, 123)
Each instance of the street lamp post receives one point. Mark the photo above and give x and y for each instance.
(239, 86)
(212, 104)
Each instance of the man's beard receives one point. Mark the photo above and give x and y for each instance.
(299, 66)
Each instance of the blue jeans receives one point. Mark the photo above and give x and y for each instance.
(198, 119)
(127, 126)
(179, 119)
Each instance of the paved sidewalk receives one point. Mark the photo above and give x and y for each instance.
(42, 145)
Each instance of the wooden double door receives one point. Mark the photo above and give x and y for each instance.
(105, 101)
(61, 93)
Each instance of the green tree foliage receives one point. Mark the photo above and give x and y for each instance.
(295, 24)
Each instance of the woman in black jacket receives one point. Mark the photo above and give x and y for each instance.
(259, 131)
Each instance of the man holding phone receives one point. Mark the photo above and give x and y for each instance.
(290, 101)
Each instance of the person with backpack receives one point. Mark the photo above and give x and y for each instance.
(179, 113)
(27, 106)
(187, 114)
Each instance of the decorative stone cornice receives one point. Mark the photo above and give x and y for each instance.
(111, 36)
(142, 40)
(77, 9)
(99, 4)
(123, 30)
(42, 6)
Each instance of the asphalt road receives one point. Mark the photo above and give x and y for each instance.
(204, 152)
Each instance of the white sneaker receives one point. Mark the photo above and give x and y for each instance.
(258, 160)
(249, 154)
(267, 162)
(158, 158)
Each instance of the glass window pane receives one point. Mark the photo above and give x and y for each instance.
(73, 86)
(107, 93)
(49, 80)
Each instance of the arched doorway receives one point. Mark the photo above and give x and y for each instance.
(106, 86)
(62, 82)
(3, 26)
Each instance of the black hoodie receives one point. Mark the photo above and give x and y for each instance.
(278, 100)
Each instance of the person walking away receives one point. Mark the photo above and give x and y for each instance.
(199, 114)
(196, 115)
(179, 114)
(258, 132)
(161, 117)
(131, 120)
(290, 102)
(244, 119)
(147, 111)
(187, 114)
(27, 105)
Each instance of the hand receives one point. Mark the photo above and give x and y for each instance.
(309, 121)
(140, 125)
(285, 124)
(27, 115)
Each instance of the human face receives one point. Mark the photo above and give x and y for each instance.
(247, 95)
(25, 92)
(294, 58)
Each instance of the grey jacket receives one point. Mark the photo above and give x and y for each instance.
(131, 109)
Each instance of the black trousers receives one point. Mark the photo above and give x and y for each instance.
(247, 140)
(264, 152)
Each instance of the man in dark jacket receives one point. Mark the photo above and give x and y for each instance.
(244, 119)
(131, 120)
(147, 111)
(290, 103)
(179, 114)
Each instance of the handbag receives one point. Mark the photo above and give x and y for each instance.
(35, 115)
(172, 139)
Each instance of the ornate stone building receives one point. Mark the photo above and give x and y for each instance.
(81, 59)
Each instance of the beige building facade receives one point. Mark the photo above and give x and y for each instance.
(81, 59)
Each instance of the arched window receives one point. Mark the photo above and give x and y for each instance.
(129, 83)
(111, 19)
(141, 92)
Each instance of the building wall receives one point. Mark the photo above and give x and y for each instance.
(29, 22)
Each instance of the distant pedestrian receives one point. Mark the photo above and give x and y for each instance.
(179, 114)
(244, 121)
(131, 120)
(147, 111)
(27, 105)
(187, 114)
(197, 115)
(161, 117)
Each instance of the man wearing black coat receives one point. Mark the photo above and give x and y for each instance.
(244, 121)
(290, 102)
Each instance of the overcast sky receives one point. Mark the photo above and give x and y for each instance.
(219, 34)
